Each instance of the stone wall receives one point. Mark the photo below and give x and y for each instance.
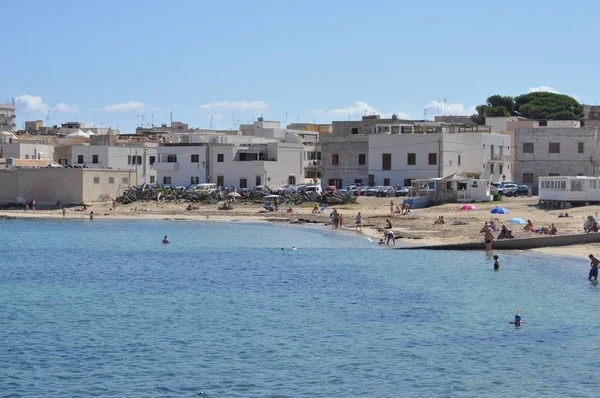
(348, 149)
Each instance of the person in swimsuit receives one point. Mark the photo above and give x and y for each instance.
(358, 221)
(517, 321)
(166, 240)
(389, 235)
(489, 240)
(594, 263)
(496, 263)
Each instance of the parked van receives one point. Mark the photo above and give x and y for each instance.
(210, 187)
(314, 188)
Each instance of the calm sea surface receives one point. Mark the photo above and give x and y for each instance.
(104, 309)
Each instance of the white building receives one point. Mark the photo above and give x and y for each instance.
(400, 158)
(181, 164)
(136, 158)
(26, 150)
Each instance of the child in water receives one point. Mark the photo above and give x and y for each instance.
(496, 263)
(517, 321)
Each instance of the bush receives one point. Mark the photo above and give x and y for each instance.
(497, 197)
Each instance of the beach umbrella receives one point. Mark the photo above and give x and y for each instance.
(500, 210)
(468, 207)
(516, 220)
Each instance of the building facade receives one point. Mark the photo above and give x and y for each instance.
(26, 150)
(7, 117)
(69, 186)
(137, 160)
(181, 164)
(555, 152)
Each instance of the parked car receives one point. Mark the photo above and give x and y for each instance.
(331, 189)
(386, 191)
(508, 189)
(403, 191)
(520, 190)
(346, 188)
(314, 188)
(372, 191)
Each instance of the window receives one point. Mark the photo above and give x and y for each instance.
(554, 147)
(152, 160)
(335, 159)
(94, 158)
(220, 181)
(553, 174)
(362, 159)
(135, 159)
(171, 158)
(407, 182)
(354, 130)
(459, 160)
(432, 159)
(386, 181)
(125, 180)
(492, 168)
(111, 180)
(292, 180)
(500, 169)
(528, 147)
(26, 156)
(220, 159)
(576, 185)
(543, 123)
(580, 147)
(371, 179)
(195, 158)
(258, 181)
(580, 174)
(139, 159)
(195, 180)
(166, 180)
(395, 129)
(358, 181)
(152, 179)
(386, 161)
(96, 180)
(79, 159)
(336, 182)
(411, 159)
(308, 174)
(527, 178)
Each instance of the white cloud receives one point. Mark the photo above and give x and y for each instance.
(124, 107)
(358, 108)
(544, 89)
(438, 108)
(236, 105)
(62, 107)
(31, 103)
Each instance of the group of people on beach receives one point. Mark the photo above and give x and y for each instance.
(337, 219)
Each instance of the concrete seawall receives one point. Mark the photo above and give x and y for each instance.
(517, 244)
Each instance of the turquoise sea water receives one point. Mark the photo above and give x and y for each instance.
(103, 309)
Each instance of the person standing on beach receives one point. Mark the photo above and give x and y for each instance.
(489, 240)
(341, 220)
(496, 263)
(64, 211)
(594, 263)
(92, 215)
(389, 235)
(391, 207)
(33, 205)
(358, 221)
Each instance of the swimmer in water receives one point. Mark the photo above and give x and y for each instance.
(496, 263)
(166, 240)
(517, 321)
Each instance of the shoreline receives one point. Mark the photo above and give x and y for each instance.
(411, 230)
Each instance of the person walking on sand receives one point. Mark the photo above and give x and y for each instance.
(391, 207)
(489, 240)
(594, 263)
(64, 211)
(358, 221)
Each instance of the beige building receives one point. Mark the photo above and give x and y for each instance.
(69, 186)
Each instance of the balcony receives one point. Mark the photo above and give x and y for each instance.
(499, 158)
(165, 166)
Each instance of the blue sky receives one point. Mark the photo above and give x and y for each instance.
(110, 62)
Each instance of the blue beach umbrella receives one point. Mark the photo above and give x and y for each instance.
(516, 220)
(500, 210)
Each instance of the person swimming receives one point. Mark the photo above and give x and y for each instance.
(496, 263)
(518, 320)
(166, 240)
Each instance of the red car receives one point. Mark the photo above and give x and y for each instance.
(331, 189)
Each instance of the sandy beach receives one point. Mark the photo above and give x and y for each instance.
(417, 227)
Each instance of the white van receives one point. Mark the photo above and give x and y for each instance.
(313, 188)
(210, 187)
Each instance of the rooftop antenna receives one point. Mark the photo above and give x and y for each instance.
(211, 122)
(286, 119)
(444, 106)
(171, 117)
(153, 120)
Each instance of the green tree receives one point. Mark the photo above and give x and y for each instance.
(549, 106)
(496, 105)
